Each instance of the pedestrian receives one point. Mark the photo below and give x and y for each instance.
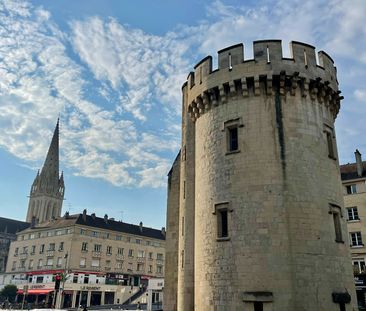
(138, 305)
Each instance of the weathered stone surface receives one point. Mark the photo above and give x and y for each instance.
(280, 187)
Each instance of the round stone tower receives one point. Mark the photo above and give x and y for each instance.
(261, 216)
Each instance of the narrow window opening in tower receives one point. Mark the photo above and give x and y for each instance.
(233, 139)
(182, 259)
(305, 59)
(184, 189)
(258, 306)
(330, 145)
(230, 62)
(342, 306)
(337, 227)
(182, 226)
(268, 58)
(223, 231)
(336, 214)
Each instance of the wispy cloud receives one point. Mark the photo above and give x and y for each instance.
(118, 88)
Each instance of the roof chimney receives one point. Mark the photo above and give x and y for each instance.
(33, 222)
(163, 232)
(141, 226)
(84, 215)
(359, 163)
(93, 216)
(106, 218)
(67, 214)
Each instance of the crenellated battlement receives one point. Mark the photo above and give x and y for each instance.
(267, 73)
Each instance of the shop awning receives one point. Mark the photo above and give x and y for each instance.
(42, 291)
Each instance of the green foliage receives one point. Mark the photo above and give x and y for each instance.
(9, 292)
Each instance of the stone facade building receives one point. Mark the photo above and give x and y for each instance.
(354, 189)
(48, 189)
(255, 202)
(8, 230)
(104, 261)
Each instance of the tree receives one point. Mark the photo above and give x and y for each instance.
(9, 292)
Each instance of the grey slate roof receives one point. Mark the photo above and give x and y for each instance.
(12, 226)
(98, 222)
(349, 171)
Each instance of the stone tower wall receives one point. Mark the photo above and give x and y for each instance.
(281, 189)
(185, 296)
(172, 236)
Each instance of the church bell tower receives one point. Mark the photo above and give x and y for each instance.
(47, 191)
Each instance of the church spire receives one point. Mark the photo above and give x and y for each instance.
(48, 187)
(51, 164)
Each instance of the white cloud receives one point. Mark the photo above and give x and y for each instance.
(119, 90)
(39, 79)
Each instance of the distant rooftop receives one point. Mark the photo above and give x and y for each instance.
(100, 223)
(349, 171)
(12, 226)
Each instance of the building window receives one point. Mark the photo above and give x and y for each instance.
(358, 266)
(120, 251)
(351, 189)
(356, 239)
(39, 279)
(150, 255)
(97, 247)
(30, 263)
(86, 278)
(258, 306)
(33, 251)
(59, 261)
(159, 256)
(109, 250)
(16, 251)
(138, 241)
(231, 129)
(84, 247)
(329, 133)
(352, 213)
(95, 262)
(61, 246)
(94, 233)
(130, 253)
(75, 278)
(159, 269)
(233, 143)
(118, 237)
(41, 249)
(150, 269)
(13, 267)
(51, 247)
(140, 254)
(119, 264)
(49, 262)
(40, 263)
(82, 231)
(335, 211)
(82, 262)
(140, 267)
(221, 211)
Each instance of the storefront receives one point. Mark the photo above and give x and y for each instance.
(360, 282)
(38, 295)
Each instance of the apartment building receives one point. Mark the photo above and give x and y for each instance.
(101, 261)
(354, 187)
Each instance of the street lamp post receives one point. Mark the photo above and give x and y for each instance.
(61, 291)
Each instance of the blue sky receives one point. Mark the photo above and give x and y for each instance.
(113, 70)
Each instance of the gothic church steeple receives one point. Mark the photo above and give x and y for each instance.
(47, 191)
